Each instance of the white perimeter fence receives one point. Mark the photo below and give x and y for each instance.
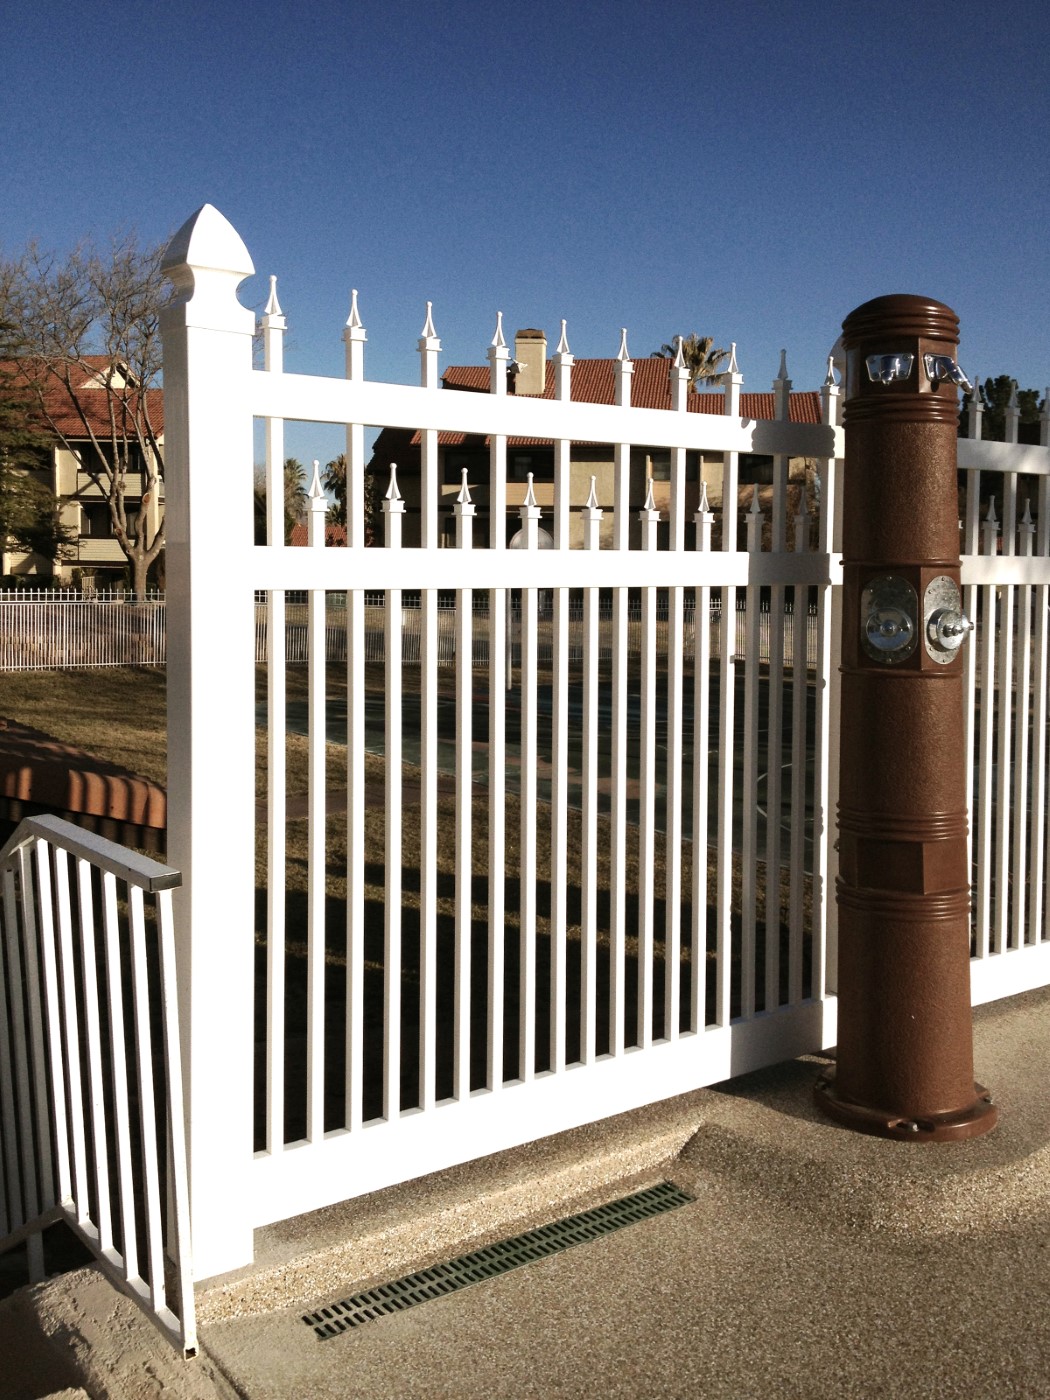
(55, 630)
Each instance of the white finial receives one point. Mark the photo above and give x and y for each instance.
(530, 495)
(756, 509)
(316, 489)
(392, 493)
(829, 381)
(650, 504)
(273, 306)
(734, 368)
(1013, 397)
(464, 499)
(353, 321)
(704, 505)
(975, 390)
(991, 518)
(206, 242)
(563, 344)
(622, 354)
(782, 372)
(679, 358)
(498, 343)
(592, 499)
(428, 325)
(1026, 519)
(207, 260)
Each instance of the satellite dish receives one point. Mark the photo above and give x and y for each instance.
(544, 539)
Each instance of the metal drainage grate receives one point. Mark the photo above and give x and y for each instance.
(492, 1261)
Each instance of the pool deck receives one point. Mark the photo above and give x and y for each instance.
(811, 1262)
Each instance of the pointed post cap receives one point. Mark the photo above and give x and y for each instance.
(207, 261)
(353, 320)
(318, 499)
(464, 497)
(207, 241)
(392, 492)
(273, 306)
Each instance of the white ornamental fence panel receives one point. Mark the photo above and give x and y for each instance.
(484, 914)
(572, 862)
(1006, 578)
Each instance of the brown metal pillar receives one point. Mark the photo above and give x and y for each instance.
(905, 1036)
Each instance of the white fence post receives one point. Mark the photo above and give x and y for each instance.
(211, 731)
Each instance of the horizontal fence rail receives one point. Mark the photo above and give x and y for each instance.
(90, 1074)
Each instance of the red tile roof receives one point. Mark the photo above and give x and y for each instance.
(334, 535)
(61, 408)
(594, 381)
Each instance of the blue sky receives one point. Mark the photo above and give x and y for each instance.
(751, 172)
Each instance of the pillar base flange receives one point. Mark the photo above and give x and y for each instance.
(977, 1118)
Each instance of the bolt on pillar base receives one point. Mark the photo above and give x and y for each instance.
(979, 1117)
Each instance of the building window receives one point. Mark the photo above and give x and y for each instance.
(541, 464)
(754, 469)
(95, 522)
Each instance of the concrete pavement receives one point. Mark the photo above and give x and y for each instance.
(812, 1262)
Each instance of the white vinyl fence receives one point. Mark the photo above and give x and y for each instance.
(584, 907)
(91, 1127)
(582, 861)
(581, 870)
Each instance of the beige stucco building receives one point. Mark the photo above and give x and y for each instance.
(72, 473)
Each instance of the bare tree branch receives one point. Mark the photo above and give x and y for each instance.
(90, 327)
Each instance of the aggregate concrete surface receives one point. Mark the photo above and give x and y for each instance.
(813, 1262)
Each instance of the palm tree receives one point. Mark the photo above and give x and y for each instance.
(701, 361)
(296, 494)
(334, 479)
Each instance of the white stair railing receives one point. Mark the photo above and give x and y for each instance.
(91, 1111)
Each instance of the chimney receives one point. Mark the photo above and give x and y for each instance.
(530, 351)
